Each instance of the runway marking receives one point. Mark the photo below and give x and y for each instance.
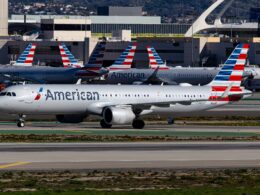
(13, 165)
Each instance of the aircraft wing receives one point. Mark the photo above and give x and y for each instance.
(146, 106)
(154, 79)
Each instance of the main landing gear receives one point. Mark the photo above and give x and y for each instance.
(21, 121)
(104, 125)
(138, 124)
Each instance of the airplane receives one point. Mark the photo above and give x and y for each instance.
(26, 58)
(51, 75)
(159, 73)
(126, 104)
(68, 59)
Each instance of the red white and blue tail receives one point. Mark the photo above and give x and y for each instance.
(68, 59)
(26, 58)
(125, 60)
(96, 59)
(155, 60)
(228, 81)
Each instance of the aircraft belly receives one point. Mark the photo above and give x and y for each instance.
(182, 108)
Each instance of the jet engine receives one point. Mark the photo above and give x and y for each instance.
(70, 118)
(120, 116)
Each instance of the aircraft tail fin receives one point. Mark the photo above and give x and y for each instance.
(67, 57)
(155, 60)
(96, 59)
(26, 58)
(228, 80)
(126, 59)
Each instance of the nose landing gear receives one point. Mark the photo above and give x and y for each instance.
(21, 121)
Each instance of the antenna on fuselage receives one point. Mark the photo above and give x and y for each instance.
(79, 82)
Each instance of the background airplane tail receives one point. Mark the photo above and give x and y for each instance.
(155, 60)
(68, 59)
(26, 58)
(126, 59)
(95, 62)
(228, 81)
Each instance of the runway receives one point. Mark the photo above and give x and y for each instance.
(79, 156)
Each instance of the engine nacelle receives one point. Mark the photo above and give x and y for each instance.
(70, 118)
(119, 116)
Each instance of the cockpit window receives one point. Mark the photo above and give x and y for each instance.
(3, 94)
(8, 94)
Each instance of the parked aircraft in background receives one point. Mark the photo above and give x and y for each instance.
(120, 72)
(118, 104)
(159, 73)
(50, 75)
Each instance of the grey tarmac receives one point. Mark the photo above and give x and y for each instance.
(78, 156)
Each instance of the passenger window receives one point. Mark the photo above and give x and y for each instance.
(9, 94)
(13, 94)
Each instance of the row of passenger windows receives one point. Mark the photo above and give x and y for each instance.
(125, 95)
(147, 95)
(8, 94)
(186, 96)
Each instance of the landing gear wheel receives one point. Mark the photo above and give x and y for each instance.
(138, 124)
(20, 124)
(104, 125)
(21, 121)
(170, 121)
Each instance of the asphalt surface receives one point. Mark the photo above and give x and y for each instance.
(93, 128)
(78, 156)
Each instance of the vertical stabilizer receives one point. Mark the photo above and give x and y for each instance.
(68, 59)
(126, 59)
(155, 60)
(26, 58)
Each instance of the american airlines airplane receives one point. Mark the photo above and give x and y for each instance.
(119, 104)
(69, 74)
(159, 73)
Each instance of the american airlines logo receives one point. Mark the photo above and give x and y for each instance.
(38, 96)
(72, 95)
(119, 75)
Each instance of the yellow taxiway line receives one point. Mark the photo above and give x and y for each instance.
(13, 165)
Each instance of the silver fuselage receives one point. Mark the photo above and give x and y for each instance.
(92, 99)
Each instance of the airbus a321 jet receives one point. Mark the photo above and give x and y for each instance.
(126, 104)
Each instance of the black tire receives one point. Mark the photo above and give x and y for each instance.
(20, 124)
(138, 124)
(104, 125)
(170, 121)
